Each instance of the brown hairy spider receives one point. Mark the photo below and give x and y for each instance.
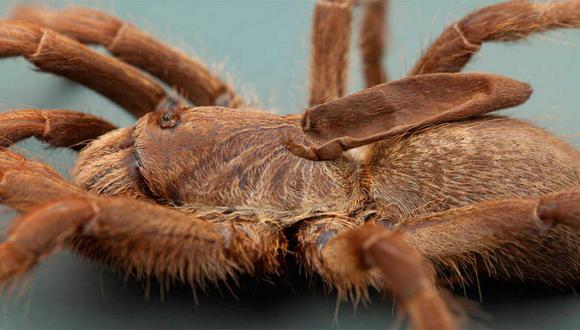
(392, 187)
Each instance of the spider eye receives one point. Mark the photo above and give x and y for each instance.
(169, 119)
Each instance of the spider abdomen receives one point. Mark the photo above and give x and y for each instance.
(458, 164)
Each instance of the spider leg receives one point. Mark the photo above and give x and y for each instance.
(26, 184)
(141, 238)
(329, 55)
(38, 233)
(533, 233)
(52, 52)
(59, 128)
(372, 41)
(352, 259)
(311, 238)
(524, 238)
(506, 21)
(137, 48)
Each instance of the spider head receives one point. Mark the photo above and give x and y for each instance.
(168, 146)
(173, 155)
(140, 161)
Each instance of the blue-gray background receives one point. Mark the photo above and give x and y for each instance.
(263, 46)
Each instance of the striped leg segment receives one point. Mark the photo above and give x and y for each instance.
(508, 21)
(372, 41)
(59, 128)
(331, 30)
(188, 75)
(52, 52)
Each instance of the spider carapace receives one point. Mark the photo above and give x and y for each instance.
(395, 186)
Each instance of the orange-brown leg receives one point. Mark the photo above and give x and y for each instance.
(329, 54)
(525, 238)
(507, 21)
(25, 184)
(311, 237)
(141, 238)
(189, 76)
(352, 259)
(59, 128)
(36, 234)
(540, 234)
(372, 41)
(55, 53)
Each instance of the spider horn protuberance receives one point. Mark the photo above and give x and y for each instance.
(401, 106)
(59, 128)
(188, 75)
(55, 53)
(507, 21)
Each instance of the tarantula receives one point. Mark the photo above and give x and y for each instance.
(391, 187)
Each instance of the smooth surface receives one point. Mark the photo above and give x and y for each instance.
(265, 45)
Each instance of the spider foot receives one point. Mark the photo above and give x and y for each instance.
(14, 262)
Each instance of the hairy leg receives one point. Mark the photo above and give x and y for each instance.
(507, 21)
(59, 128)
(188, 75)
(141, 238)
(36, 234)
(311, 237)
(26, 184)
(352, 259)
(329, 55)
(372, 41)
(522, 238)
(55, 53)
(509, 234)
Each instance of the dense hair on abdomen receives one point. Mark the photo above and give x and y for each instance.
(461, 163)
